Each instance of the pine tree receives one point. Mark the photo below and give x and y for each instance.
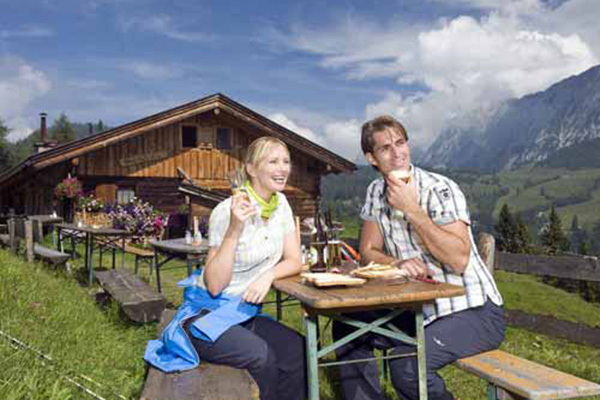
(100, 126)
(522, 236)
(505, 230)
(5, 153)
(578, 237)
(553, 235)
(63, 129)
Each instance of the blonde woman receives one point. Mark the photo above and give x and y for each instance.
(219, 316)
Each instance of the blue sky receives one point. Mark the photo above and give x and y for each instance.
(320, 68)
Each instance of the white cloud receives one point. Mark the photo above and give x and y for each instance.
(465, 64)
(343, 136)
(20, 85)
(288, 123)
(149, 70)
(163, 25)
(26, 31)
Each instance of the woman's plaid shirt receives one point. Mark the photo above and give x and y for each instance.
(445, 203)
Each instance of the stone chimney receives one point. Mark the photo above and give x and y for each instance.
(44, 143)
(43, 128)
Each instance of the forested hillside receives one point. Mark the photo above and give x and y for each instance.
(62, 130)
(529, 193)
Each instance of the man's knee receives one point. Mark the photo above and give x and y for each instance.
(260, 356)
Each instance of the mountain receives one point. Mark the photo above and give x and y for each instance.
(535, 129)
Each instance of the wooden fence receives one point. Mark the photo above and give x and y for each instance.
(583, 268)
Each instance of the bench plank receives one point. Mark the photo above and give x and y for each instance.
(50, 255)
(526, 378)
(137, 299)
(138, 252)
(207, 382)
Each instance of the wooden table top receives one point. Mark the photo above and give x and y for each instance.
(100, 231)
(179, 246)
(46, 219)
(373, 293)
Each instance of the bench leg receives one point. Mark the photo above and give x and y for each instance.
(492, 393)
(136, 265)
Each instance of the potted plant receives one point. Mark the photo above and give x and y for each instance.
(67, 190)
(139, 218)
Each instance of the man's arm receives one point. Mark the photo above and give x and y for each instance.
(371, 250)
(448, 243)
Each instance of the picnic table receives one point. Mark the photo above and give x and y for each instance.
(177, 248)
(105, 236)
(373, 295)
(42, 220)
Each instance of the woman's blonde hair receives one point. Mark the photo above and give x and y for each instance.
(259, 149)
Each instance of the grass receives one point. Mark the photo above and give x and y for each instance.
(49, 311)
(526, 185)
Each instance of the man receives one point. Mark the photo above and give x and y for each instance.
(423, 227)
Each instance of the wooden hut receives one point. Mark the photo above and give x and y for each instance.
(147, 158)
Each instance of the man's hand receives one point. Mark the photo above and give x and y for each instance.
(415, 267)
(402, 196)
(257, 290)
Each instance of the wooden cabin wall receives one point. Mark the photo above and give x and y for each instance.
(149, 163)
(34, 194)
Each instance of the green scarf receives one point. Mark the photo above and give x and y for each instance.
(267, 209)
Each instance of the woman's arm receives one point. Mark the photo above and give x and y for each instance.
(290, 264)
(219, 265)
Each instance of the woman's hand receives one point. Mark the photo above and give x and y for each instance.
(257, 290)
(241, 210)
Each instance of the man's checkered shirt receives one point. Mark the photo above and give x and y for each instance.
(444, 202)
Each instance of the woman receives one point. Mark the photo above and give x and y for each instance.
(247, 253)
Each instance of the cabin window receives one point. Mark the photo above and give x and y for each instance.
(205, 137)
(125, 195)
(189, 136)
(224, 138)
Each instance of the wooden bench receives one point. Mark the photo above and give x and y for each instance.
(51, 256)
(137, 300)
(141, 255)
(512, 377)
(207, 382)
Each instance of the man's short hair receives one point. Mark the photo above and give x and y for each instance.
(379, 124)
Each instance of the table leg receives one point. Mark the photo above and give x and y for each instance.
(59, 244)
(123, 253)
(278, 304)
(312, 361)
(88, 256)
(157, 270)
(421, 360)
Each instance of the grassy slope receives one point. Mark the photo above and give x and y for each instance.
(52, 313)
(557, 184)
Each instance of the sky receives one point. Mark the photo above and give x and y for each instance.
(318, 67)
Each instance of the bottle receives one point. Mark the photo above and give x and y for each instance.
(188, 237)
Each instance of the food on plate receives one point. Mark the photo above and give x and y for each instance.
(401, 174)
(323, 279)
(374, 270)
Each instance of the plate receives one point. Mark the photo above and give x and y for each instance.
(325, 279)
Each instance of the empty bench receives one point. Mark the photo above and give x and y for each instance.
(206, 382)
(512, 377)
(137, 300)
(141, 256)
(49, 255)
